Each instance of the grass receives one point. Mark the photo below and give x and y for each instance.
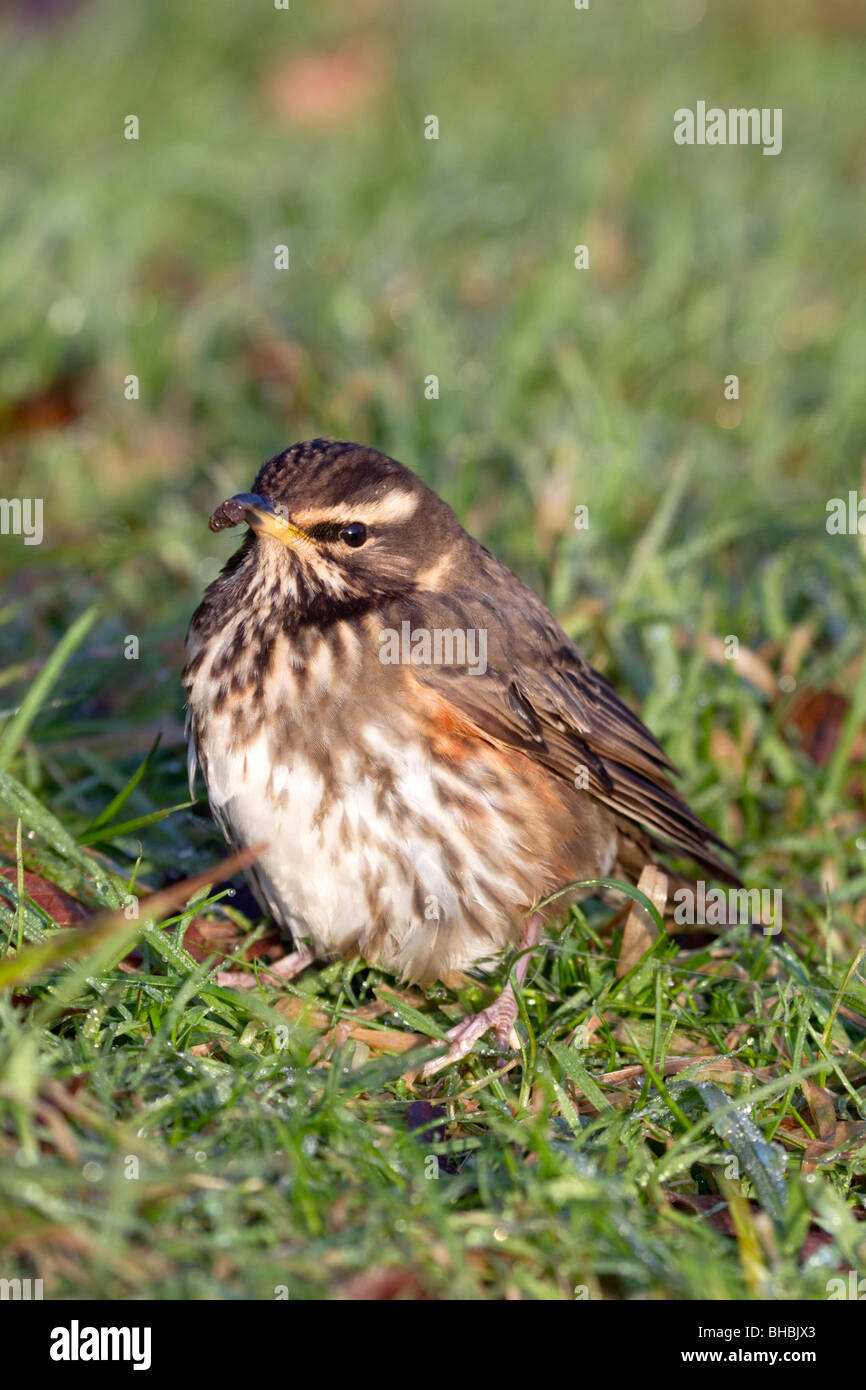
(692, 1128)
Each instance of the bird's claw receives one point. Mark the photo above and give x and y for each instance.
(286, 968)
(499, 1016)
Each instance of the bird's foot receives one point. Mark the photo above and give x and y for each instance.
(286, 968)
(501, 1016)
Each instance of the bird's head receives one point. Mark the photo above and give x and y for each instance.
(343, 522)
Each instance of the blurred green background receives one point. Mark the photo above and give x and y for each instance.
(557, 388)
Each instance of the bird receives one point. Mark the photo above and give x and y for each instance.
(422, 753)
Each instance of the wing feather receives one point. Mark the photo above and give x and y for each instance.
(539, 695)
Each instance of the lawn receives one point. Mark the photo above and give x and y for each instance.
(684, 1122)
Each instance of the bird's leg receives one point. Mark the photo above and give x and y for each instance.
(286, 968)
(501, 1015)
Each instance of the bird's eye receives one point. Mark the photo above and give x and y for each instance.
(354, 534)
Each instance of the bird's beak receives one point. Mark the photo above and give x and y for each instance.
(260, 514)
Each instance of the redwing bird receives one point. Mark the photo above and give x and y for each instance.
(423, 751)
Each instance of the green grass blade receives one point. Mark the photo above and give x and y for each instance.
(127, 827)
(122, 797)
(16, 729)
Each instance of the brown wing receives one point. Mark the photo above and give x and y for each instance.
(539, 695)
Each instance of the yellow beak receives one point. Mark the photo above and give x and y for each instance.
(261, 515)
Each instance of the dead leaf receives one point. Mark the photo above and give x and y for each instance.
(381, 1284)
(640, 930)
(53, 407)
(823, 1108)
(818, 714)
(65, 910)
(207, 937)
(748, 664)
(323, 88)
(351, 1026)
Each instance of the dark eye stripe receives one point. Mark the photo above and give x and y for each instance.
(325, 530)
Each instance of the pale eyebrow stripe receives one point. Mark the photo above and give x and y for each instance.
(396, 506)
